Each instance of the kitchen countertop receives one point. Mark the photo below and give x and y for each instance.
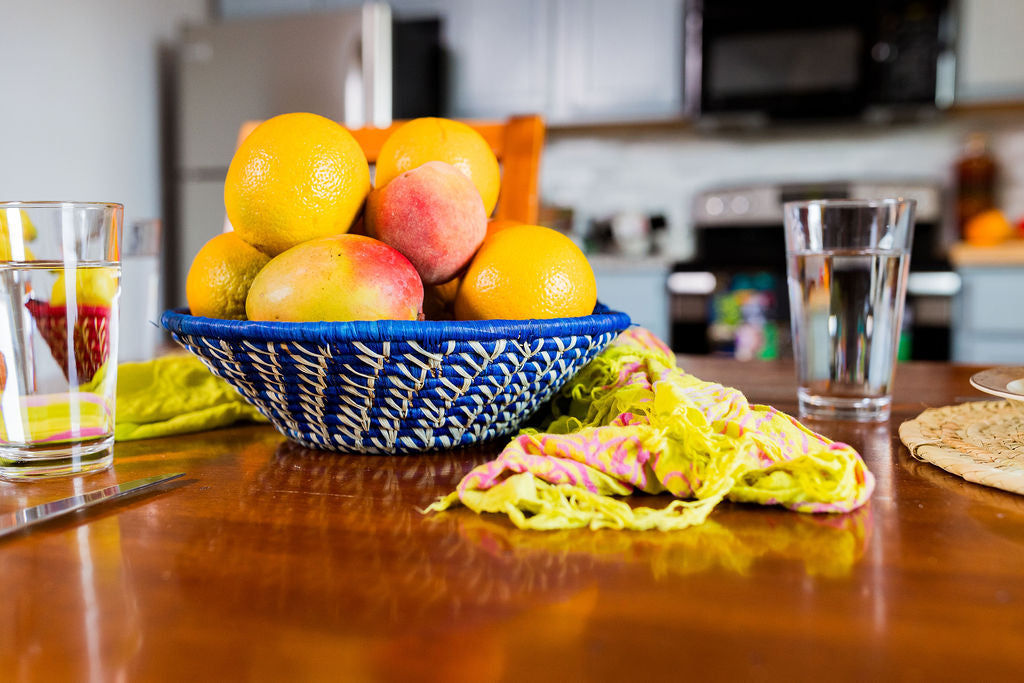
(271, 562)
(1010, 253)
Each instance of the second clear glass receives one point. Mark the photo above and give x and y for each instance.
(847, 266)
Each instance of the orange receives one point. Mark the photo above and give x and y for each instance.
(439, 300)
(526, 271)
(296, 177)
(988, 229)
(220, 276)
(416, 142)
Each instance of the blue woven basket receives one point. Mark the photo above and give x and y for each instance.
(396, 386)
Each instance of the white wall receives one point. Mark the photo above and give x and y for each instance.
(79, 82)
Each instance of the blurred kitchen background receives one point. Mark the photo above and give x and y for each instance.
(675, 130)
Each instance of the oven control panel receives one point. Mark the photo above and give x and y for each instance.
(762, 204)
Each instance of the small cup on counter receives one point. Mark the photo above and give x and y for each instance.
(847, 270)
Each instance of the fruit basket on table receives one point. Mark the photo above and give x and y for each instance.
(394, 387)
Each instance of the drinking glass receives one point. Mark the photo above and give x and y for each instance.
(59, 288)
(847, 265)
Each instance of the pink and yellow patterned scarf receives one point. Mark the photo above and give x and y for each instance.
(632, 420)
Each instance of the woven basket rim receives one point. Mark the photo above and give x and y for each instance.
(603, 319)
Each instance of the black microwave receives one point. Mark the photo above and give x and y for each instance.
(805, 60)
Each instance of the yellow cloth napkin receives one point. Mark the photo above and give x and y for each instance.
(174, 395)
(633, 421)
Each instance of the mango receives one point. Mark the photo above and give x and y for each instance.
(336, 278)
(434, 215)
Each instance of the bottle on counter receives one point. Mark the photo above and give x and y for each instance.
(975, 181)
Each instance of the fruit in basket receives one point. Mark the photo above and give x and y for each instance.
(220, 276)
(435, 139)
(337, 278)
(526, 271)
(439, 300)
(433, 214)
(94, 286)
(295, 178)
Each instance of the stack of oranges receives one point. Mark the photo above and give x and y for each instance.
(299, 181)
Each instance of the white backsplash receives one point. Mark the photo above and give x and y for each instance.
(659, 170)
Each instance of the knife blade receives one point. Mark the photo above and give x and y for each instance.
(19, 519)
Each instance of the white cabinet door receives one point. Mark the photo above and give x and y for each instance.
(573, 61)
(988, 322)
(501, 52)
(617, 60)
(637, 288)
(990, 59)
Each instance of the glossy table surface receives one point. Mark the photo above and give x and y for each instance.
(271, 562)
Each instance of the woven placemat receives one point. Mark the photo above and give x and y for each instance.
(981, 441)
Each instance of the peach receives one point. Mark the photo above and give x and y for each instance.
(434, 215)
(336, 278)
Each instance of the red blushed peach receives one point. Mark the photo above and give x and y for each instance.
(434, 215)
(336, 278)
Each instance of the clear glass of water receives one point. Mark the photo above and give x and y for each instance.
(847, 265)
(59, 288)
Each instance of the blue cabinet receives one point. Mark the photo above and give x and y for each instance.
(988, 315)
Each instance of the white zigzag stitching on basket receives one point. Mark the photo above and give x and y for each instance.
(263, 367)
(303, 356)
(456, 389)
(417, 381)
(359, 413)
(401, 407)
(355, 370)
(359, 423)
(318, 380)
(435, 413)
(371, 357)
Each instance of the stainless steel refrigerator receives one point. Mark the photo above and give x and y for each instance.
(337, 64)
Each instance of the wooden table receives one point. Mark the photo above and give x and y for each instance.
(270, 562)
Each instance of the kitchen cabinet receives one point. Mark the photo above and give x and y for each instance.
(501, 56)
(617, 60)
(637, 287)
(990, 53)
(988, 321)
(572, 61)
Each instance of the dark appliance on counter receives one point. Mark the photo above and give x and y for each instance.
(752, 61)
(732, 297)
